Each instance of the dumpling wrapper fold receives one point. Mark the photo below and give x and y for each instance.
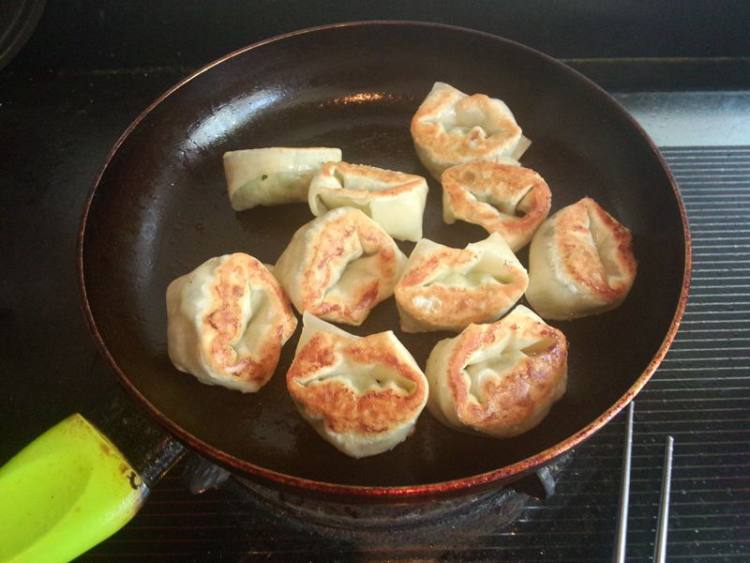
(273, 176)
(339, 266)
(445, 288)
(451, 128)
(227, 321)
(394, 200)
(581, 263)
(361, 394)
(498, 379)
(501, 198)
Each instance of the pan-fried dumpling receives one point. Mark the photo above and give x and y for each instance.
(580, 263)
(273, 176)
(339, 266)
(445, 288)
(227, 321)
(498, 379)
(451, 128)
(394, 200)
(361, 394)
(501, 198)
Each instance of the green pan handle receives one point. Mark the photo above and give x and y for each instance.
(64, 493)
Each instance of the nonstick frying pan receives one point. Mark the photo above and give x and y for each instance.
(160, 208)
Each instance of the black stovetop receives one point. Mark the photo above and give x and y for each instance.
(56, 128)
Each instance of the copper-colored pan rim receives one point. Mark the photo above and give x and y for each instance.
(461, 484)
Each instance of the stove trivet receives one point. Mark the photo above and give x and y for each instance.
(365, 521)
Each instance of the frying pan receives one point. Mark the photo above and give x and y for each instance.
(159, 209)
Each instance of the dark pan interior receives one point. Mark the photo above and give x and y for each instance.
(161, 209)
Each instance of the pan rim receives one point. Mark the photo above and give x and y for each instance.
(454, 485)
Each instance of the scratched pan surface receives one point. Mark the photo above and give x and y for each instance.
(160, 209)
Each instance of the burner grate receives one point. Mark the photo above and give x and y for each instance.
(368, 522)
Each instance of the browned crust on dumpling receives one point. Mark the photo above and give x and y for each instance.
(224, 319)
(401, 181)
(513, 402)
(429, 134)
(609, 279)
(317, 277)
(343, 409)
(500, 183)
(459, 306)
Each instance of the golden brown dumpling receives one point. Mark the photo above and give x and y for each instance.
(499, 379)
(339, 266)
(580, 263)
(445, 288)
(227, 321)
(451, 128)
(361, 394)
(501, 198)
